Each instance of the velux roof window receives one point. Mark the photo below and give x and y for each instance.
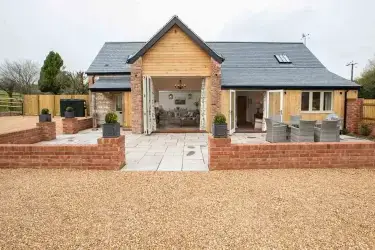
(283, 58)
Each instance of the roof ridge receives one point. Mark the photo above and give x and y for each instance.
(218, 42)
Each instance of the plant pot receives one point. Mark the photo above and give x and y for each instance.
(45, 118)
(220, 130)
(111, 130)
(69, 114)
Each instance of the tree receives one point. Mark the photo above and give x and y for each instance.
(18, 76)
(51, 69)
(77, 83)
(367, 81)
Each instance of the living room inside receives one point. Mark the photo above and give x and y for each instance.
(177, 103)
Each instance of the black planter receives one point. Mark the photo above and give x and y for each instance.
(45, 118)
(69, 114)
(219, 130)
(111, 130)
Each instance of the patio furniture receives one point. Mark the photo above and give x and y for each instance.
(329, 131)
(304, 133)
(276, 132)
(275, 118)
(294, 119)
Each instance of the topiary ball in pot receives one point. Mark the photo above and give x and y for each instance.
(219, 126)
(111, 128)
(69, 112)
(45, 116)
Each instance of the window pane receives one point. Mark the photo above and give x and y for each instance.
(327, 101)
(316, 101)
(305, 101)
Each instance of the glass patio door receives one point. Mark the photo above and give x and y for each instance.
(149, 119)
(275, 104)
(232, 111)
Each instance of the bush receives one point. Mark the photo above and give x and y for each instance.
(69, 109)
(220, 119)
(365, 129)
(111, 117)
(344, 131)
(45, 111)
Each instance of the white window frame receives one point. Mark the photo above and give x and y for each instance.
(321, 102)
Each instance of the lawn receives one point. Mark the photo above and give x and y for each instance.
(289, 208)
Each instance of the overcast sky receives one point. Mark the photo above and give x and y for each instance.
(341, 30)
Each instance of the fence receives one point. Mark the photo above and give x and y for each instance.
(33, 104)
(369, 110)
(10, 106)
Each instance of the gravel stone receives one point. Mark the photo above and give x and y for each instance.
(289, 208)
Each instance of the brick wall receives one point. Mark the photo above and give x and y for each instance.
(74, 125)
(354, 114)
(108, 154)
(224, 155)
(44, 131)
(104, 103)
(215, 88)
(137, 105)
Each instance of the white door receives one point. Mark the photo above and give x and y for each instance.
(118, 108)
(149, 120)
(232, 111)
(275, 100)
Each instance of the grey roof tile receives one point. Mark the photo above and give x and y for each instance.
(111, 83)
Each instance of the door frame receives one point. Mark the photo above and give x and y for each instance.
(147, 105)
(281, 91)
(120, 114)
(232, 111)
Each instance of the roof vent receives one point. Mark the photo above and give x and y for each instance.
(283, 58)
(106, 65)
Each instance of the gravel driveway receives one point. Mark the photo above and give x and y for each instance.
(232, 209)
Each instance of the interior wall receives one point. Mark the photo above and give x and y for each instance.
(169, 104)
(252, 97)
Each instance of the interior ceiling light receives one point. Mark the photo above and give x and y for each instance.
(179, 85)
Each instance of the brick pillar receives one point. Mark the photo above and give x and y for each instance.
(48, 130)
(137, 99)
(115, 149)
(215, 88)
(219, 151)
(70, 125)
(354, 113)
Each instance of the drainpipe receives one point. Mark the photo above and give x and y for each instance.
(93, 100)
(345, 108)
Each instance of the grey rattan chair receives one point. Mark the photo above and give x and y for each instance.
(294, 119)
(304, 133)
(276, 132)
(329, 131)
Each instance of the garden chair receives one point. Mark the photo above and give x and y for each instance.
(294, 119)
(304, 133)
(329, 131)
(276, 132)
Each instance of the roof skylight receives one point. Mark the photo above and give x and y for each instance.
(283, 58)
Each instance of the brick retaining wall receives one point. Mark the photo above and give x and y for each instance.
(354, 114)
(44, 131)
(224, 155)
(74, 125)
(108, 154)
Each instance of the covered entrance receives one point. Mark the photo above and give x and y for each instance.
(173, 104)
(248, 108)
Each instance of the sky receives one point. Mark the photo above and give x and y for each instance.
(340, 30)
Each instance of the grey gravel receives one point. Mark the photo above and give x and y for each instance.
(289, 208)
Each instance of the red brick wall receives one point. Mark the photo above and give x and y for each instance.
(74, 125)
(108, 154)
(44, 131)
(137, 101)
(224, 155)
(354, 113)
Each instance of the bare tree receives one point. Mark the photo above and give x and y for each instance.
(18, 76)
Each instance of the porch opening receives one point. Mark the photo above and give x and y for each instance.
(250, 111)
(177, 103)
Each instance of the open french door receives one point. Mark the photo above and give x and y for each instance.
(149, 119)
(275, 103)
(232, 111)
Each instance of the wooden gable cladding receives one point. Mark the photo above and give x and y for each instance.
(175, 54)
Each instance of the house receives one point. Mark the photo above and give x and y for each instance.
(177, 81)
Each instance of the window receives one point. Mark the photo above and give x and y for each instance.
(283, 58)
(316, 101)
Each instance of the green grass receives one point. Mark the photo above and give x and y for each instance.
(4, 100)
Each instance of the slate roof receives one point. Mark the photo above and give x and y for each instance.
(112, 83)
(247, 64)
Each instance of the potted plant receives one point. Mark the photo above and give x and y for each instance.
(69, 112)
(45, 116)
(219, 126)
(111, 128)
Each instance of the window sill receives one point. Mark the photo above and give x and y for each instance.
(317, 112)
